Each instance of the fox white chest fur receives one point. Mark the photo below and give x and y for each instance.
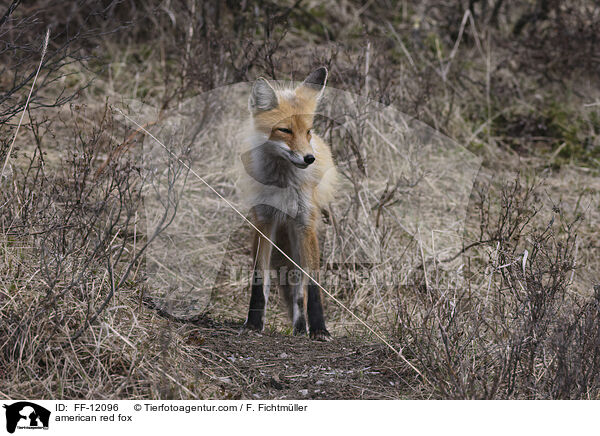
(288, 177)
(291, 192)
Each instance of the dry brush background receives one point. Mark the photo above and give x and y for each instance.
(510, 310)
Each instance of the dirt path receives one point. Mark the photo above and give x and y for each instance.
(276, 366)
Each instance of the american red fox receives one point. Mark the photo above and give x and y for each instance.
(291, 179)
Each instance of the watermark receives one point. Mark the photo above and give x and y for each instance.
(25, 415)
(401, 182)
(333, 275)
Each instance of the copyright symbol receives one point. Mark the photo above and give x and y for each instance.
(137, 407)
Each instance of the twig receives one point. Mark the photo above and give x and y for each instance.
(45, 46)
(9, 11)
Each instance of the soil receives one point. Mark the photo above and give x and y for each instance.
(272, 365)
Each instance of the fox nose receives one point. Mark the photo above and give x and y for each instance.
(309, 158)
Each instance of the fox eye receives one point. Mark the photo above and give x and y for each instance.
(288, 131)
(308, 132)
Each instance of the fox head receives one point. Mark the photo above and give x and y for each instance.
(285, 117)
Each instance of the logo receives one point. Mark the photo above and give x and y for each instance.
(26, 415)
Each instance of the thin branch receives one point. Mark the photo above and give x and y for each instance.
(44, 48)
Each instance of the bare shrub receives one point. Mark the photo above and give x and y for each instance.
(511, 335)
(75, 241)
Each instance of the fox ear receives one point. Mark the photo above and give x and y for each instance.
(262, 97)
(316, 80)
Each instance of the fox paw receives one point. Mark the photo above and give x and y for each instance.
(300, 327)
(254, 327)
(320, 335)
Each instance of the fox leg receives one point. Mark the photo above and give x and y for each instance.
(261, 279)
(306, 295)
(296, 280)
(316, 320)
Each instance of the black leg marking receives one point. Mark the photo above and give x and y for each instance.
(300, 324)
(316, 321)
(256, 320)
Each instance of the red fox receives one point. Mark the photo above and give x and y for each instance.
(291, 179)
